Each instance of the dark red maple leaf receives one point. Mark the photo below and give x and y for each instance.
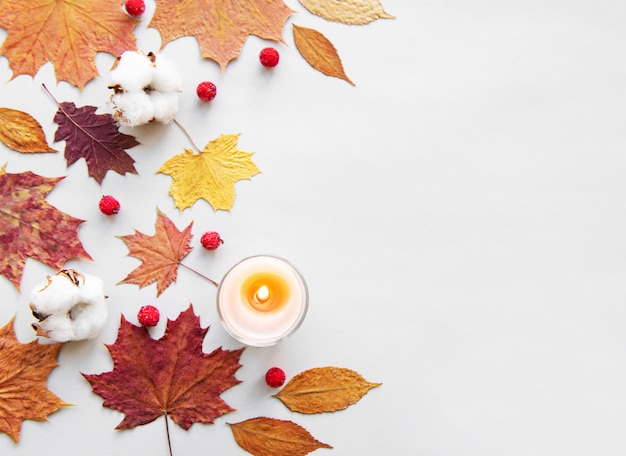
(170, 376)
(94, 137)
(30, 227)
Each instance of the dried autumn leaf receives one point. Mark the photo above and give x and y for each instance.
(351, 12)
(21, 132)
(24, 370)
(271, 437)
(160, 254)
(30, 227)
(210, 175)
(319, 52)
(324, 389)
(171, 376)
(94, 137)
(66, 33)
(221, 26)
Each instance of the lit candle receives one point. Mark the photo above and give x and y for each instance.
(262, 300)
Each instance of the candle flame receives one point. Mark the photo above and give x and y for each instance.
(262, 294)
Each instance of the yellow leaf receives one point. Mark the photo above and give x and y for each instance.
(319, 52)
(324, 389)
(21, 132)
(210, 175)
(264, 436)
(351, 12)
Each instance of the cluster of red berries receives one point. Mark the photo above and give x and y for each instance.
(148, 316)
(275, 377)
(109, 205)
(135, 8)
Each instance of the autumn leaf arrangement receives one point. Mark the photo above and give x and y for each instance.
(190, 382)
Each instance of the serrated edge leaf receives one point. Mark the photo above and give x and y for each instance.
(324, 389)
(319, 52)
(22, 133)
(349, 12)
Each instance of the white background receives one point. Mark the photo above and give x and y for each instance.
(459, 215)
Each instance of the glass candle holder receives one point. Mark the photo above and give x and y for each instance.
(261, 300)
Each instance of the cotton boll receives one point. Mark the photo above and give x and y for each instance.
(166, 77)
(80, 311)
(134, 72)
(133, 108)
(165, 106)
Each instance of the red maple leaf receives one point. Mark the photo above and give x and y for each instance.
(170, 376)
(30, 227)
(94, 137)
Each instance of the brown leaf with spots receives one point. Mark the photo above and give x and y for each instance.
(67, 33)
(30, 227)
(170, 377)
(160, 254)
(271, 437)
(24, 370)
(21, 132)
(220, 26)
(324, 389)
(319, 52)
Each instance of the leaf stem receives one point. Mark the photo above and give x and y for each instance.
(200, 274)
(167, 431)
(187, 134)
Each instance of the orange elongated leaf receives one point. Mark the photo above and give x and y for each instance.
(324, 389)
(160, 254)
(220, 26)
(264, 436)
(350, 12)
(21, 132)
(319, 52)
(24, 370)
(171, 376)
(30, 227)
(66, 33)
(210, 175)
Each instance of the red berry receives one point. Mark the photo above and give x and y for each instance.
(206, 91)
(275, 377)
(109, 205)
(148, 316)
(135, 7)
(211, 240)
(269, 57)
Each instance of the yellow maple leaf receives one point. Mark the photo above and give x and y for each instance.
(210, 175)
(65, 32)
(221, 26)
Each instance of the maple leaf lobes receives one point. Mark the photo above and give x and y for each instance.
(30, 227)
(66, 33)
(210, 175)
(94, 137)
(170, 376)
(160, 254)
(222, 26)
(24, 370)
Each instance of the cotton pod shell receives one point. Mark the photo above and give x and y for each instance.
(324, 389)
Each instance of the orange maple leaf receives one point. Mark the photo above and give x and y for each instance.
(66, 33)
(222, 26)
(24, 369)
(160, 254)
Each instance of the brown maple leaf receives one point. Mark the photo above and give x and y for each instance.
(171, 376)
(94, 137)
(160, 254)
(30, 227)
(66, 33)
(24, 370)
(222, 26)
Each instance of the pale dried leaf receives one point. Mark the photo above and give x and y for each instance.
(319, 52)
(351, 12)
(264, 436)
(324, 389)
(21, 132)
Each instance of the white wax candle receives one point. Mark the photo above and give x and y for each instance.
(262, 300)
